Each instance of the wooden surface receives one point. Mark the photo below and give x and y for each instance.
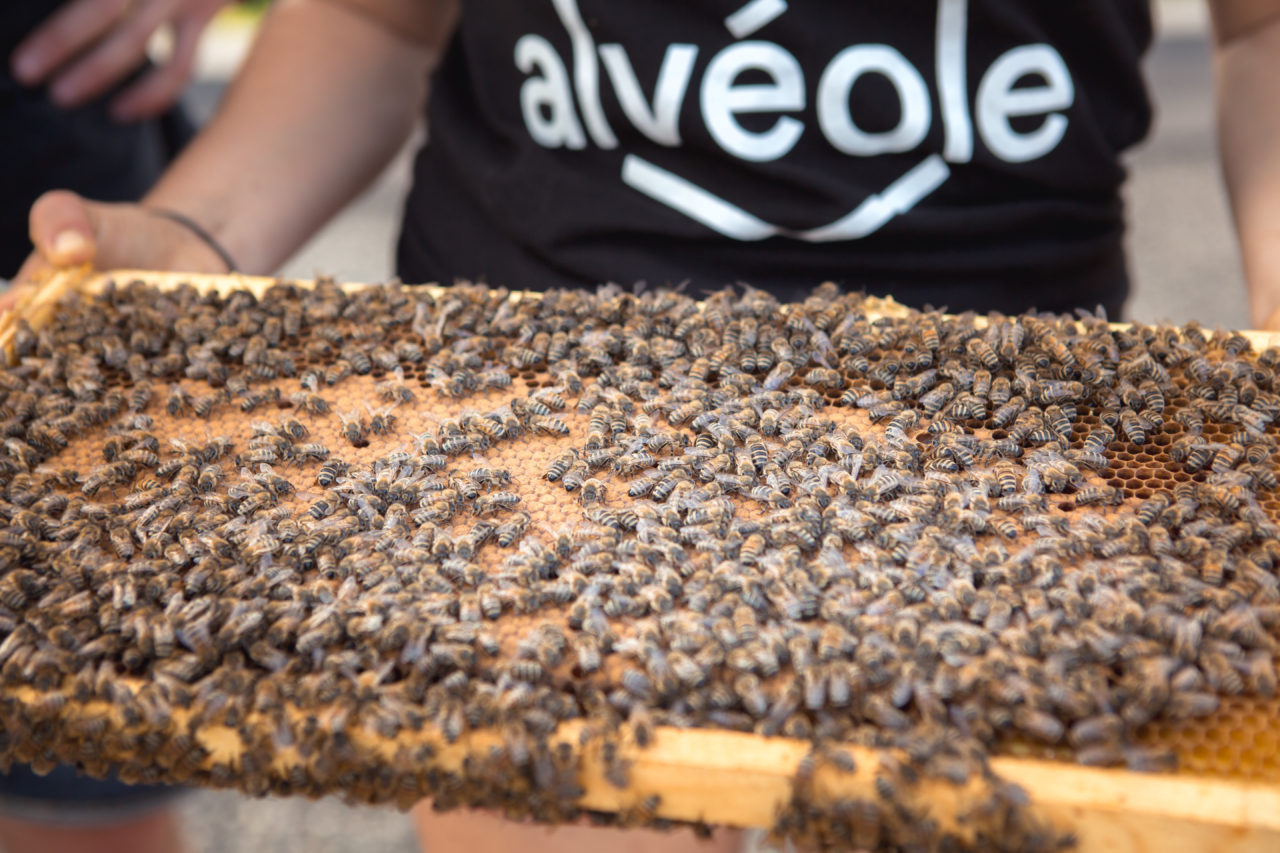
(734, 779)
(258, 284)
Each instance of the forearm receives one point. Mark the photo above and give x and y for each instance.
(1248, 81)
(326, 98)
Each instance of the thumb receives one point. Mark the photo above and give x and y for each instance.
(64, 229)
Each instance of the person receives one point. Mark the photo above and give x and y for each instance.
(960, 153)
(84, 109)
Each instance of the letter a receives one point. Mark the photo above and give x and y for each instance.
(546, 100)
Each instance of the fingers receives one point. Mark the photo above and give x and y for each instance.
(63, 229)
(62, 36)
(160, 88)
(119, 52)
(90, 45)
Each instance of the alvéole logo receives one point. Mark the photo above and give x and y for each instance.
(564, 113)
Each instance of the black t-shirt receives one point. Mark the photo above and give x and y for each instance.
(44, 147)
(959, 152)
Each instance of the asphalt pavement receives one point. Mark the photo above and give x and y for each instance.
(1185, 266)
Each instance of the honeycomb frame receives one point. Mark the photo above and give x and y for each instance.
(1133, 469)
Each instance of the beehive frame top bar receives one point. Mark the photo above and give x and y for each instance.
(91, 282)
(1056, 789)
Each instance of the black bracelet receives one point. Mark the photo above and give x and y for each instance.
(194, 227)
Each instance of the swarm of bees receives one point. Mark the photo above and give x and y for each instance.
(318, 512)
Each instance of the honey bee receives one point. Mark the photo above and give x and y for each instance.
(207, 479)
(395, 390)
(250, 401)
(548, 426)
(338, 371)
(495, 502)
(489, 478)
(354, 429)
(381, 421)
(983, 352)
(178, 400)
(314, 450)
(1007, 412)
(310, 402)
(1132, 426)
(508, 533)
(1105, 495)
(121, 542)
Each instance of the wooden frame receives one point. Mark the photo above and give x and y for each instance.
(744, 780)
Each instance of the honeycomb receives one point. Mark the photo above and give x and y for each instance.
(942, 537)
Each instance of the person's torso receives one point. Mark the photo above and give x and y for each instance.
(576, 141)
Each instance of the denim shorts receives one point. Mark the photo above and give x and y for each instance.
(65, 797)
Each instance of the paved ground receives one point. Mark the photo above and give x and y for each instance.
(1185, 266)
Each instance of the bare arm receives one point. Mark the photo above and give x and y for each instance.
(1247, 35)
(329, 93)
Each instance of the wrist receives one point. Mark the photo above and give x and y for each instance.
(208, 241)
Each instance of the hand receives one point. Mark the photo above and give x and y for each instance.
(68, 230)
(88, 46)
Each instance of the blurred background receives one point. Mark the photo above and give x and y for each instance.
(1184, 261)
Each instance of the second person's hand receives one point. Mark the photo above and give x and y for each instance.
(88, 46)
